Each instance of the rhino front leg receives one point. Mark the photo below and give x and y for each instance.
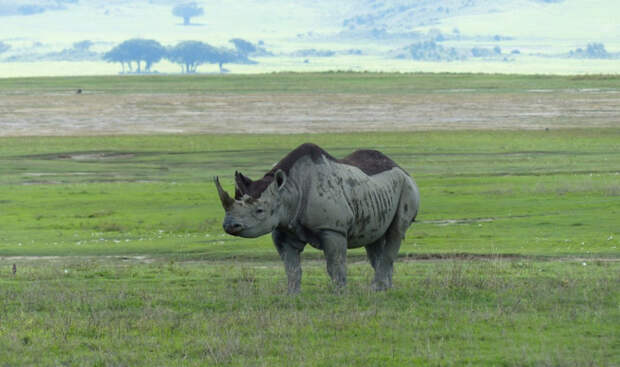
(292, 264)
(290, 252)
(335, 249)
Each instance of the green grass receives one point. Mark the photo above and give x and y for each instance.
(121, 260)
(526, 222)
(482, 313)
(530, 193)
(327, 82)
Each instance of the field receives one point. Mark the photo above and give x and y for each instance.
(115, 228)
(304, 103)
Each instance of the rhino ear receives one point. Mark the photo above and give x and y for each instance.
(280, 178)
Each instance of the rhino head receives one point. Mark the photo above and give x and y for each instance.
(252, 215)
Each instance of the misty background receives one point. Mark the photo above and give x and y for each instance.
(95, 37)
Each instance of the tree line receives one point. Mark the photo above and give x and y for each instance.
(433, 51)
(139, 55)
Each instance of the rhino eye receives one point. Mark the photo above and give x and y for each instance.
(259, 211)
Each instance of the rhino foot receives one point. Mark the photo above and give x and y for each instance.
(380, 286)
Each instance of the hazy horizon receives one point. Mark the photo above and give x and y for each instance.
(39, 37)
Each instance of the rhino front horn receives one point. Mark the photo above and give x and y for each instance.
(227, 201)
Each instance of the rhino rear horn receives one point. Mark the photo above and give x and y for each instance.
(242, 183)
(226, 200)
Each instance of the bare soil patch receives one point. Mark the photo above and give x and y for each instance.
(96, 156)
(47, 259)
(101, 114)
(403, 257)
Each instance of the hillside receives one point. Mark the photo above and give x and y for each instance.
(321, 34)
(403, 15)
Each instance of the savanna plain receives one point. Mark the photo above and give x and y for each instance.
(112, 252)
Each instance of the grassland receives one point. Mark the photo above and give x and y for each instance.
(79, 195)
(121, 261)
(312, 83)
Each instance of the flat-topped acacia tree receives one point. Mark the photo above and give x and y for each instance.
(136, 50)
(187, 11)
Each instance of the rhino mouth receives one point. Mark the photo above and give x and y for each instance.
(239, 230)
(247, 234)
(235, 230)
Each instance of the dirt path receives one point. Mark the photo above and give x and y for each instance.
(403, 257)
(176, 113)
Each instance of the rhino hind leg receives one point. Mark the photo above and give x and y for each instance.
(376, 252)
(384, 252)
(382, 255)
(373, 251)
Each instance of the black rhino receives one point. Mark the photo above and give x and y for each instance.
(310, 197)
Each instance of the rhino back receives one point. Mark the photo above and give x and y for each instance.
(370, 162)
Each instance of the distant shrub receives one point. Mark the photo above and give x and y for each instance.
(83, 45)
(244, 47)
(30, 9)
(379, 33)
(435, 34)
(4, 47)
(431, 51)
(486, 52)
(480, 52)
(79, 52)
(247, 48)
(312, 52)
(597, 50)
(594, 50)
(354, 51)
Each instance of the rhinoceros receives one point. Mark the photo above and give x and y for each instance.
(310, 197)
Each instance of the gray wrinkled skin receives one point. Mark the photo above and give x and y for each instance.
(331, 206)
